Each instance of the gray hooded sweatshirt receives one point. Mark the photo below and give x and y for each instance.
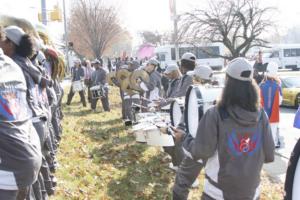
(235, 144)
(20, 152)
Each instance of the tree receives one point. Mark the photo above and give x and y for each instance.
(238, 24)
(151, 37)
(93, 26)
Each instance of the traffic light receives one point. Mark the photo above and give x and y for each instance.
(56, 14)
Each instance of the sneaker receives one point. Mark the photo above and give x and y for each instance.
(171, 166)
(195, 184)
(277, 146)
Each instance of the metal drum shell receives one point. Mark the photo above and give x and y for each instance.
(77, 86)
(97, 92)
(155, 137)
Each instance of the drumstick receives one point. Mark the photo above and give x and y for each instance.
(134, 104)
(146, 99)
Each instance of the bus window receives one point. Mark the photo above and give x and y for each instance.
(274, 54)
(161, 57)
(298, 52)
(293, 53)
(287, 52)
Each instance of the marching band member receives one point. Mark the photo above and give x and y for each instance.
(173, 74)
(99, 78)
(189, 169)
(88, 76)
(77, 75)
(19, 46)
(131, 99)
(234, 138)
(153, 87)
(20, 149)
(271, 98)
(188, 63)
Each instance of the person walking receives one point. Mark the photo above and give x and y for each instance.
(233, 138)
(77, 75)
(99, 78)
(271, 97)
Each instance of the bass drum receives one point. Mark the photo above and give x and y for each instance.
(197, 101)
(176, 111)
(292, 180)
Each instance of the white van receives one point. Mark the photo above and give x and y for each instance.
(206, 54)
(287, 56)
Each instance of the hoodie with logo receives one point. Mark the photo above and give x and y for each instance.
(20, 152)
(235, 143)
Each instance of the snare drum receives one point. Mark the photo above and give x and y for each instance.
(176, 111)
(155, 137)
(138, 131)
(77, 86)
(198, 100)
(97, 92)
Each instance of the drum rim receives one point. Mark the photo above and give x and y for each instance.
(200, 109)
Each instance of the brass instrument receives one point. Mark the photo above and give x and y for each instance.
(136, 77)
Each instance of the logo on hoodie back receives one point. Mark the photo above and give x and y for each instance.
(243, 143)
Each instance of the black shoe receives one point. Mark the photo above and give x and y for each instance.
(277, 146)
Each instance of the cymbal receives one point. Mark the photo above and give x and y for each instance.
(138, 75)
(109, 77)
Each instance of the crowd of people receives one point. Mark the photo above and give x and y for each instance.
(234, 138)
(30, 116)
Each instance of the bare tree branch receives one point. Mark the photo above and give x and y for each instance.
(238, 24)
(93, 26)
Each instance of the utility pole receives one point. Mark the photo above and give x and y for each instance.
(44, 12)
(175, 19)
(66, 36)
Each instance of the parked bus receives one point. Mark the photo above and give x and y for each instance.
(207, 54)
(287, 56)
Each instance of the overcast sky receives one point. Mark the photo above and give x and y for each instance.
(137, 15)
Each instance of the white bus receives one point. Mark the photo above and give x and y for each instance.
(205, 54)
(287, 56)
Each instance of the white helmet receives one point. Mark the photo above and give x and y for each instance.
(272, 69)
(203, 72)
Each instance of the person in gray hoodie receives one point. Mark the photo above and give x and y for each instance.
(20, 151)
(234, 139)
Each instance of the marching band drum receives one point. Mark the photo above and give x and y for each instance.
(77, 86)
(198, 100)
(97, 91)
(157, 135)
(176, 111)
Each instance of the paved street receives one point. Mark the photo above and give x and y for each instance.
(289, 137)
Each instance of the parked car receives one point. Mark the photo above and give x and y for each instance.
(290, 91)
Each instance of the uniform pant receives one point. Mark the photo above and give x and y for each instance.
(8, 194)
(128, 107)
(88, 84)
(123, 105)
(20, 194)
(275, 132)
(176, 153)
(71, 95)
(104, 101)
(186, 175)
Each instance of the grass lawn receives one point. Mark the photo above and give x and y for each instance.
(99, 159)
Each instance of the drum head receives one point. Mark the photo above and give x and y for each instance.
(175, 113)
(198, 100)
(193, 110)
